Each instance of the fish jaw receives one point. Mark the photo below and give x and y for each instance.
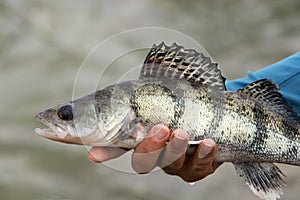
(51, 135)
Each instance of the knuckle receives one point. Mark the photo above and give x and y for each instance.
(202, 162)
(148, 149)
(203, 166)
(175, 151)
(171, 167)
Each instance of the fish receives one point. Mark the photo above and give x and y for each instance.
(253, 127)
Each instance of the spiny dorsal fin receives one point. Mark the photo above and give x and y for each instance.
(175, 62)
(264, 179)
(266, 91)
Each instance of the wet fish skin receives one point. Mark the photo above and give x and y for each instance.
(244, 129)
(253, 127)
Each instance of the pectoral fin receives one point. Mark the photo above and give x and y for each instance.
(264, 179)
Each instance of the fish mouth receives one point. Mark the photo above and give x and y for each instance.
(51, 135)
(55, 132)
(58, 133)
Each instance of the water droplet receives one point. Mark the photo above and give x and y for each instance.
(192, 183)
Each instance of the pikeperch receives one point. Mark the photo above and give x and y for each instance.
(253, 127)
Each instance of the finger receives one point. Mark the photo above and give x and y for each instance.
(101, 154)
(200, 164)
(206, 148)
(174, 155)
(204, 157)
(146, 154)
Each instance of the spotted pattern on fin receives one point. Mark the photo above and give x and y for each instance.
(265, 91)
(176, 62)
(264, 179)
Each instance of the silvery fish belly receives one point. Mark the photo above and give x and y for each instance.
(253, 127)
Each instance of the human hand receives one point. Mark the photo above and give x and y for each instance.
(172, 158)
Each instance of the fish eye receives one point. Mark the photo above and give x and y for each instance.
(65, 113)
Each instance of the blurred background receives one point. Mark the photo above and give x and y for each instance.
(43, 44)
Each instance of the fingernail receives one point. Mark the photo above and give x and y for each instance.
(159, 132)
(205, 149)
(180, 139)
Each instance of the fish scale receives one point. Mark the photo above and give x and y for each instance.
(253, 127)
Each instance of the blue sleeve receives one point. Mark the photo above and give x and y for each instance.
(285, 73)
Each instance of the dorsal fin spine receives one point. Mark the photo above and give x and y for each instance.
(176, 49)
(266, 92)
(194, 59)
(176, 62)
(191, 61)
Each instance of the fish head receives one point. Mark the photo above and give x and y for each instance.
(69, 122)
(95, 119)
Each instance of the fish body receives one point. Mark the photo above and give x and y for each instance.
(253, 127)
